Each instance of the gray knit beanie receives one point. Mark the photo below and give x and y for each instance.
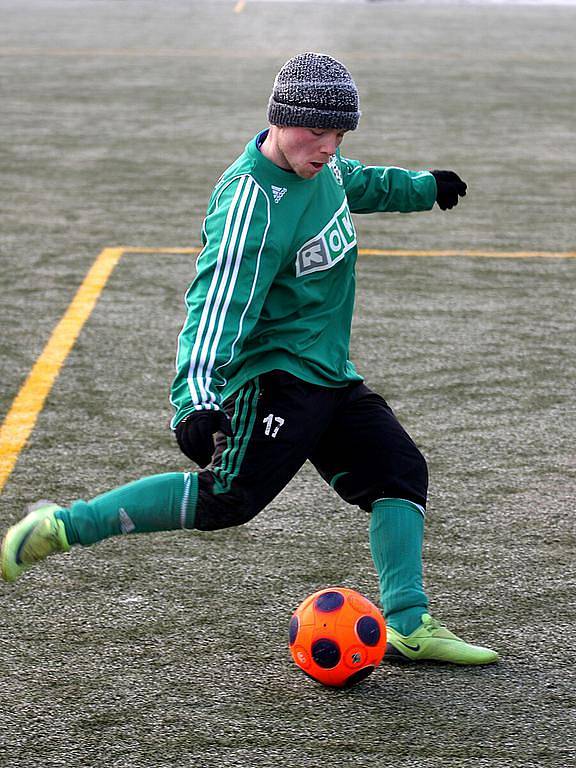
(314, 91)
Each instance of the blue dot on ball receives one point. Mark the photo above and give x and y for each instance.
(357, 677)
(293, 629)
(329, 601)
(325, 653)
(368, 630)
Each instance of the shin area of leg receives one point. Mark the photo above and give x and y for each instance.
(162, 502)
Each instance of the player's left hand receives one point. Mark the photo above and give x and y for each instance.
(449, 186)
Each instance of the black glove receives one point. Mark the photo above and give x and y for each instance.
(449, 187)
(195, 434)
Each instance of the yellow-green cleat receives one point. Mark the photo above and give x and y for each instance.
(34, 538)
(431, 641)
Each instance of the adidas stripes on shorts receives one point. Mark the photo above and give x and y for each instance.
(350, 435)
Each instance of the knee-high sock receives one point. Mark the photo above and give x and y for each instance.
(396, 535)
(156, 503)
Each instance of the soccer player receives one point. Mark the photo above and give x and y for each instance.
(263, 366)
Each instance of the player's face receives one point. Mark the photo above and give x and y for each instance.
(307, 150)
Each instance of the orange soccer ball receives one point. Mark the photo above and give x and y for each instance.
(337, 636)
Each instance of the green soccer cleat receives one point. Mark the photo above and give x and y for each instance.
(431, 641)
(34, 538)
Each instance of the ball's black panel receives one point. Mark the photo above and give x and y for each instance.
(329, 601)
(293, 629)
(357, 677)
(326, 653)
(368, 630)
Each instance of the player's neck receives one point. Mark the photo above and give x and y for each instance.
(272, 151)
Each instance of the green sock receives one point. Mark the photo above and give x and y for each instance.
(158, 503)
(396, 535)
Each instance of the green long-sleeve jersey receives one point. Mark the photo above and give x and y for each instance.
(275, 281)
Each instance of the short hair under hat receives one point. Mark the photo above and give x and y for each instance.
(313, 90)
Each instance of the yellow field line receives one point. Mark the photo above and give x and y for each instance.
(473, 253)
(464, 253)
(28, 403)
(136, 249)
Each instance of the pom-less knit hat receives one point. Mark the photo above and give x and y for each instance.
(313, 90)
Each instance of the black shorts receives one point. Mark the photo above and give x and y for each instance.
(350, 435)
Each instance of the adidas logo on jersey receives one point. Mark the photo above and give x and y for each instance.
(278, 193)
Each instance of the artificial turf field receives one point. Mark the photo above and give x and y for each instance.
(116, 120)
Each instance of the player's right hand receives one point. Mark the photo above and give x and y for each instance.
(195, 434)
